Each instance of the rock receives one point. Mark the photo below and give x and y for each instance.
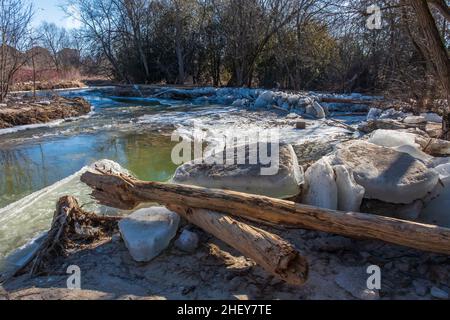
(432, 117)
(3, 105)
(389, 124)
(147, 232)
(409, 212)
(316, 110)
(187, 241)
(415, 120)
(386, 174)
(444, 173)
(438, 147)
(350, 194)
(392, 114)
(439, 293)
(420, 287)
(374, 114)
(320, 188)
(264, 99)
(436, 210)
(301, 125)
(240, 103)
(354, 281)
(282, 180)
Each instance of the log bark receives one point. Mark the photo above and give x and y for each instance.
(272, 253)
(125, 192)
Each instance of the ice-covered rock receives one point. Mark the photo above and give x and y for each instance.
(393, 138)
(187, 241)
(374, 113)
(148, 232)
(350, 194)
(386, 174)
(409, 212)
(279, 175)
(438, 147)
(393, 114)
(240, 103)
(437, 211)
(315, 110)
(414, 120)
(320, 188)
(444, 173)
(264, 100)
(414, 152)
(432, 117)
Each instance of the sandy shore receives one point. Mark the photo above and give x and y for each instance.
(215, 271)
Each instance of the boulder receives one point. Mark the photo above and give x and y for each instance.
(320, 188)
(386, 174)
(281, 180)
(148, 232)
(350, 194)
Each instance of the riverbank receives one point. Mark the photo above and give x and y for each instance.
(20, 110)
(338, 270)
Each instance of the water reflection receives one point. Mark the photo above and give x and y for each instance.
(29, 167)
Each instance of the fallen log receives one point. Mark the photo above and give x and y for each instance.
(125, 192)
(71, 227)
(349, 101)
(269, 251)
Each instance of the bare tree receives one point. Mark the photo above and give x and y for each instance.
(435, 51)
(15, 20)
(54, 39)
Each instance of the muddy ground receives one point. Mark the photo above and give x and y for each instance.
(21, 110)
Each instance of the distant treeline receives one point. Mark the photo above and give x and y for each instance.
(298, 44)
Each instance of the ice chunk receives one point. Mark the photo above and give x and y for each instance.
(432, 117)
(393, 138)
(148, 232)
(374, 114)
(350, 194)
(265, 99)
(320, 186)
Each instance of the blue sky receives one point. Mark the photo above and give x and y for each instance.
(50, 11)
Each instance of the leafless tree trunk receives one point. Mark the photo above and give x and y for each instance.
(436, 53)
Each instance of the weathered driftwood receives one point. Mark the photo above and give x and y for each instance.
(125, 192)
(269, 251)
(70, 225)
